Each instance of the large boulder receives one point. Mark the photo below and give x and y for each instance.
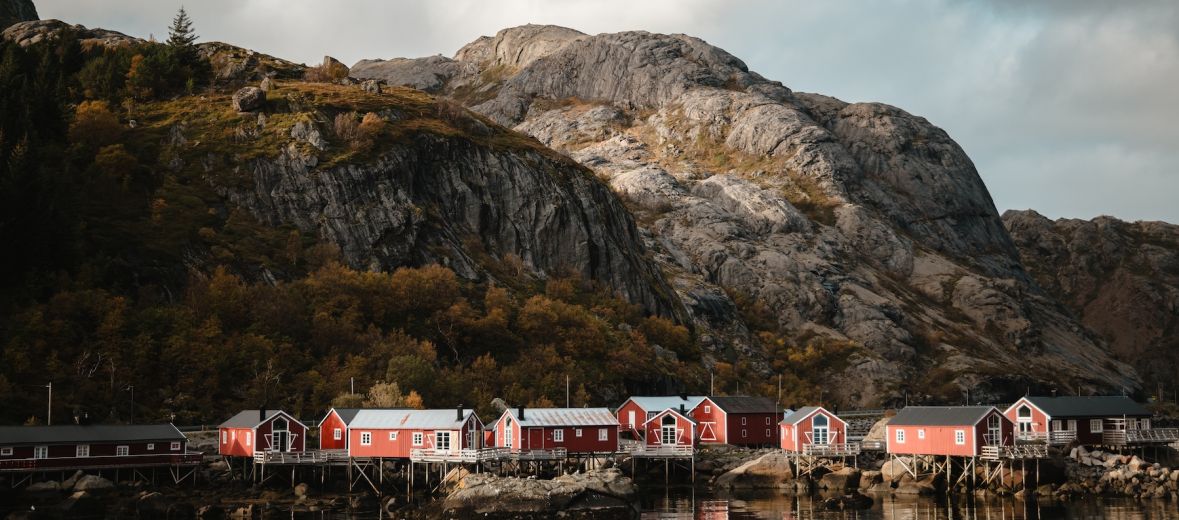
(249, 99)
(771, 470)
(894, 469)
(841, 480)
(82, 504)
(41, 487)
(924, 487)
(594, 492)
(93, 483)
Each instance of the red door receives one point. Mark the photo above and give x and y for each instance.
(536, 438)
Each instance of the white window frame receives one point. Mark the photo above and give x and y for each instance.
(900, 435)
(707, 409)
(1072, 425)
(4, 452)
(558, 435)
(1095, 425)
(920, 433)
(366, 438)
(151, 446)
(175, 446)
(743, 421)
(337, 434)
(249, 438)
(40, 452)
(767, 421)
(1057, 425)
(769, 433)
(1143, 424)
(960, 437)
(392, 436)
(603, 434)
(744, 433)
(651, 415)
(224, 437)
(82, 450)
(122, 451)
(438, 436)
(418, 438)
(577, 432)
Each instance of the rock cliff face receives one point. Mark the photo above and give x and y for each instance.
(14, 11)
(772, 211)
(1120, 278)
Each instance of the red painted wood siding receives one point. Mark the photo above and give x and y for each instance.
(1039, 419)
(685, 431)
(107, 451)
(752, 429)
(399, 448)
(243, 442)
(231, 442)
(711, 426)
(941, 440)
(327, 439)
(542, 438)
(837, 431)
(624, 413)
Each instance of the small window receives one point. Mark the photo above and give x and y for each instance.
(5, 452)
(249, 437)
(921, 433)
(707, 409)
(1144, 424)
(1056, 425)
(900, 436)
(959, 437)
(1024, 411)
(603, 434)
(417, 438)
(337, 434)
(175, 446)
(224, 437)
(151, 447)
(558, 435)
(122, 451)
(233, 435)
(768, 433)
(767, 420)
(743, 421)
(651, 415)
(82, 450)
(392, 436)
(366, 438)
(1095, 425)
(744, 433)
(577, 432)
(41, 452)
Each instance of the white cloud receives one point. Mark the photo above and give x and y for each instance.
(1065, 106)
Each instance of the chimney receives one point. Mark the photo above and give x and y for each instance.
(520, 413)
(458, 413)
(682, 409)
(262, 414)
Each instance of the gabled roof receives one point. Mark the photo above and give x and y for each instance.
(745, 404)
(940, 415)
(672, 411)
(804, 412)
(348, 414)
(253, 418)
(98, 433)
(564, 417)
(1089, 406)
(404, 419)
(653, 403)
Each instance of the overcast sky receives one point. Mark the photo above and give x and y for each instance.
(1069, 107)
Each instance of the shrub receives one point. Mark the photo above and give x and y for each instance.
(326, 73)
(94, 124)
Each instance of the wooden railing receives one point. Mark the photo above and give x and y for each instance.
(553, 454)
(300, 457)
(1152, 436)
(846, 449)
(469, 455)
(107, 461)
(872, 445)
(671, 451)
(1019, 451)
(1053, 438)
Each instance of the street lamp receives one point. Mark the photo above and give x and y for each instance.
(131, 388)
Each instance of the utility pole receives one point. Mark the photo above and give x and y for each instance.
(711, 382)
(566, 390)
(49, 413)
(352, 385)
(779, 390)
(132, 389)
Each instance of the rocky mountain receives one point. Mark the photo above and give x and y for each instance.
(13, 11)
(787, 218)
(1120, 278)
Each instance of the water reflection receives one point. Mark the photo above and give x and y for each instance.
(688, 504)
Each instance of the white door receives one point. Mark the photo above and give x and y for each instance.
(994, 430)
(820, 429)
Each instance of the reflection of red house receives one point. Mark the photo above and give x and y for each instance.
(669, 428)
(1085, 419)
(637, 410)
(577, 430)
(391, 433)
(948, 430)
(736, 420)
(255, 431)
(812, 425)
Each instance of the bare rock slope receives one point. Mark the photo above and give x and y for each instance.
(798, 215)
(1120, 278)
(14, 11)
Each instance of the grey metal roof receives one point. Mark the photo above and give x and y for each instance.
(746, 404)
(940, 415)
(251, 419)
(97, 433)
(436, 419)
(800, 414)
(1089, 406)
(348, 414)
(653, 403)
(565, 417)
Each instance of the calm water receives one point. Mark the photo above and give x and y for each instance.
(683, 504)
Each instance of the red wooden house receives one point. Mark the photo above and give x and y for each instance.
(960, 431)
(812, 428)
(256, 431)
(637, 410)
(669, 429)
(333, 429)
(70, 447)
(737, 420)
(576, 430)
(389, 433)
(1094, 420)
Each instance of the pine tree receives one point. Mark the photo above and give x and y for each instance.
(180, 34)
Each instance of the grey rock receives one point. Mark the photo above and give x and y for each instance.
(267, 84)
(772, 470)
(32, 32)
(93, 483)
(841, 480)
(307, 131)
(14, 11)
(371, 86)
(249, 99)
(40, 487)
(487, 494)
(429, 74)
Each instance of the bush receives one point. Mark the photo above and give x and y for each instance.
(94, 125)
(326, 73)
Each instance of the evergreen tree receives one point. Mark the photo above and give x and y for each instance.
(180, 34)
